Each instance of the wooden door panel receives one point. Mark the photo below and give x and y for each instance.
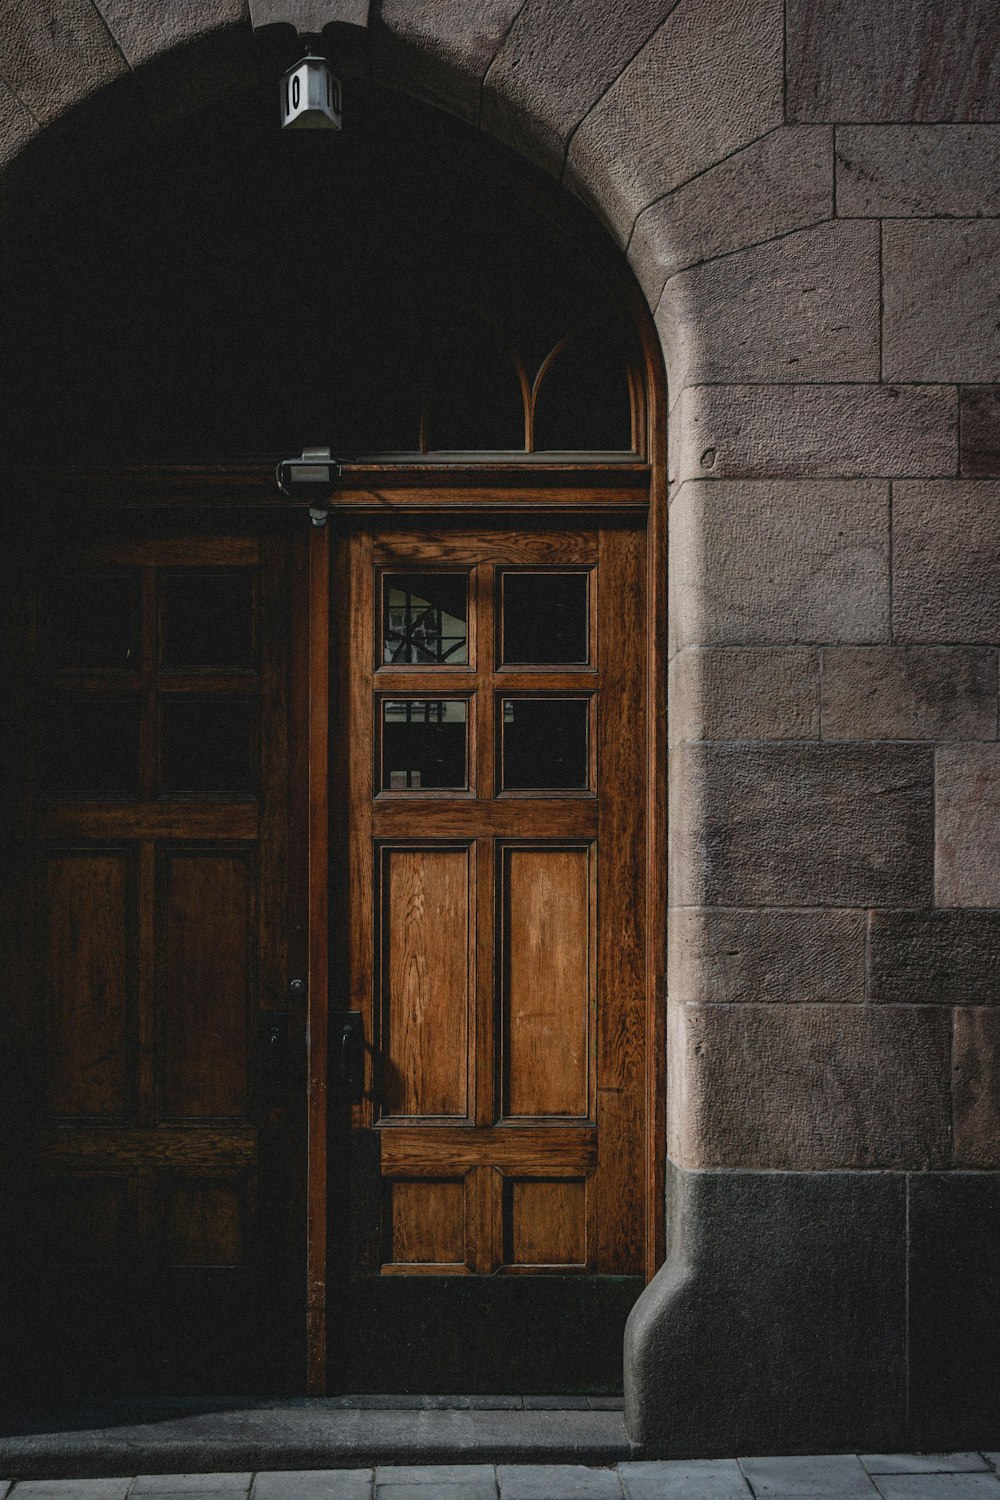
(545, 1222)
(206, 982)
(88, 928)
(426, 980)
(546, 954)
(427, 1224)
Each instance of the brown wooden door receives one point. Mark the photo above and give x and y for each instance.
(489, 929)
(157, 1094)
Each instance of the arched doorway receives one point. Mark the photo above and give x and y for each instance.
(265, 753)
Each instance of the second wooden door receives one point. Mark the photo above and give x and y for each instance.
(488, 941)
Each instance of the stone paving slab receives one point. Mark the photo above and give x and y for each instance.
(558, 1482)
(316, 1484)
(923, 1463)
(937, 1486)
(684, 1479)
(838, 1476)
(472, 1490)
(435, 1474)
(71, 1489)
(190, 1484)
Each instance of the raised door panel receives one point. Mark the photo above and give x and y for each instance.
(547, 966)
(206, 983)
(88, 937)
(425, 988)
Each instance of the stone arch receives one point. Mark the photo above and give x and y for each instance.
(805, 376)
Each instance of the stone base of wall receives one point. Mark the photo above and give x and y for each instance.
(812, 1312)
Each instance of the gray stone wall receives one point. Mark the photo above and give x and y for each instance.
(809, 196)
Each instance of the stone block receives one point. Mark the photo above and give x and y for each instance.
(17, 126)
(941, 294)
(976, 1086)
(439, 49)
(314, 1484)
(435, 1473)
(677, 1479)
(954, 1293)
(56, 55)
(143, 29)
(555, 62)
(709, 81)
(813, 431)
(967, 842)
(837, 1474)
(801, 825)
(946, 561)
(73, 1489)
(778, 184)
(809, 1087)
(900, 171)
(979, 431)
(310, 16)
(909, 693)
(779, 562)
(923, 1463)
(460, 1490)
(744, 693)
(939, 1487)
(709, 1367)
(801, 308)
(905, 60)
(233, 1484)
(724, 956)
(435, 1482)
(934, 957)
(557, 1482)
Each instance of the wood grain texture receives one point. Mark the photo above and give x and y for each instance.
(457, 544)
(547, 1222)
(207, 983)
(427, 1221)
(619, 1182)
(181, 1149)
(426, 989)
(204, 1221)
(513, 1148)
(505, 818)
(547, 974)
(215, 821)
(318, 952)
(89, 958)
(380, 487)
(621, 757)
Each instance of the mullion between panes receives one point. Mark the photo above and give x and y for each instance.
(148, 657)
(482, 586)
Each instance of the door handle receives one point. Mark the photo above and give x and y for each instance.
(350, 1045)
(273, 1056)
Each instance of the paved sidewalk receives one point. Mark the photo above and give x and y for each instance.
(899, 1476)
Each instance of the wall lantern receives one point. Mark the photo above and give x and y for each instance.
(310, 96)
(306, 476)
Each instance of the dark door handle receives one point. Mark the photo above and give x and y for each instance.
(350, 1054)
(273, 1056)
